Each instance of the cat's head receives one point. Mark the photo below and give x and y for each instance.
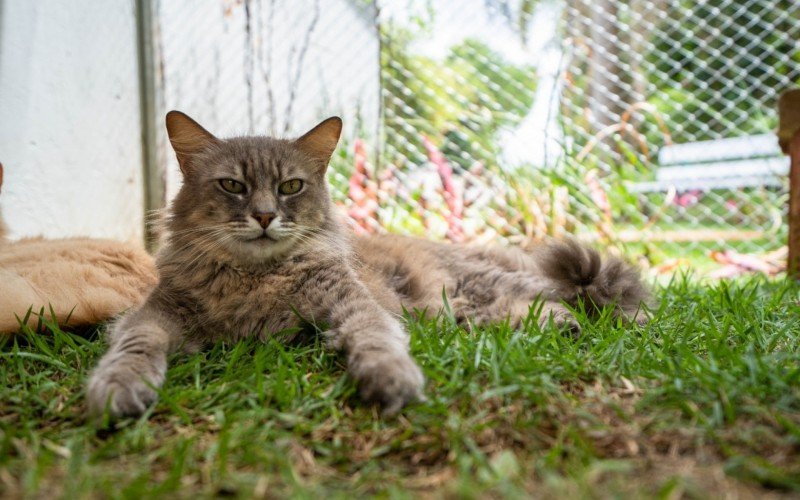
(251, 198)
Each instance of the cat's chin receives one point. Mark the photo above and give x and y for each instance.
(263, 249)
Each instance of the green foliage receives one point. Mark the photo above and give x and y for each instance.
(460, 102)
(723, 76)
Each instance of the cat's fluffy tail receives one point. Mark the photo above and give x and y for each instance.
(577, 272)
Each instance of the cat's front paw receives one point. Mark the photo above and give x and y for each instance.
(121, 391)
(392, 380)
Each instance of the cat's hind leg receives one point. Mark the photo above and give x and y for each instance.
(516, 311)
(125, 381)
(561, 317)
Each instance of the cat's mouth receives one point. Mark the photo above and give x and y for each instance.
(262, 238)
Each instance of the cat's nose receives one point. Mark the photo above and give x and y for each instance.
(264, 218)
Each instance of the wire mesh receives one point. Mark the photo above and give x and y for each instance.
(648, 77)
(629, 84)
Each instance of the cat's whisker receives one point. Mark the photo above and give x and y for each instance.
(207, 247)
(200, 229)
(313, 237)
(200, 245)
(309, 234)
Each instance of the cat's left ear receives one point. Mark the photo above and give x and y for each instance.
(320, 141)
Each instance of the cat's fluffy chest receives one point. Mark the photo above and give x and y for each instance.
(223, 302)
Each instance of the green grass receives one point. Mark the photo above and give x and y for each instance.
(703, 401)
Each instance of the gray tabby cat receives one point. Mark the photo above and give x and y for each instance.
(254, 246)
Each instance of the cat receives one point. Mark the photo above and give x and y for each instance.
(253, 246)
(82, 281)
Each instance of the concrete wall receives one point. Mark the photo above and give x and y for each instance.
(69, 119)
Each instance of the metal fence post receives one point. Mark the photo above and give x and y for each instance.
(153, 171)
(789, 138)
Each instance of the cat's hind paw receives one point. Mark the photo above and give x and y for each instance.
(562, 318)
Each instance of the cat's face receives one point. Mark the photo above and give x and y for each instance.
(251, 198)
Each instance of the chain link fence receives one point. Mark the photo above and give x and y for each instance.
(674, 104)
(643, 125)
(658, 116)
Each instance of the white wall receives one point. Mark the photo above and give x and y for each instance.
(69, 119)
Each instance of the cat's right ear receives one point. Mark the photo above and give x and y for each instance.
(187, 137)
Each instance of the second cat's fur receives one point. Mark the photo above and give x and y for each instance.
(81, 281)
(254, 247)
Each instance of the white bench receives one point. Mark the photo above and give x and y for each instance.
(738, 162)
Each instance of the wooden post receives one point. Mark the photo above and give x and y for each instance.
(789, 139)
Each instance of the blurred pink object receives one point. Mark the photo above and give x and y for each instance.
(738, 263)
(362, 193)
(598, 194)
(688, 198)
(452, 195)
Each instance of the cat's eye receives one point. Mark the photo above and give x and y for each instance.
(232, 186)
(291, 186)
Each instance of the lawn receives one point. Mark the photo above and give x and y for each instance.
(704, 401)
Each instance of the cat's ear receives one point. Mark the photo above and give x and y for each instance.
(187, 137)
(320, 141)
